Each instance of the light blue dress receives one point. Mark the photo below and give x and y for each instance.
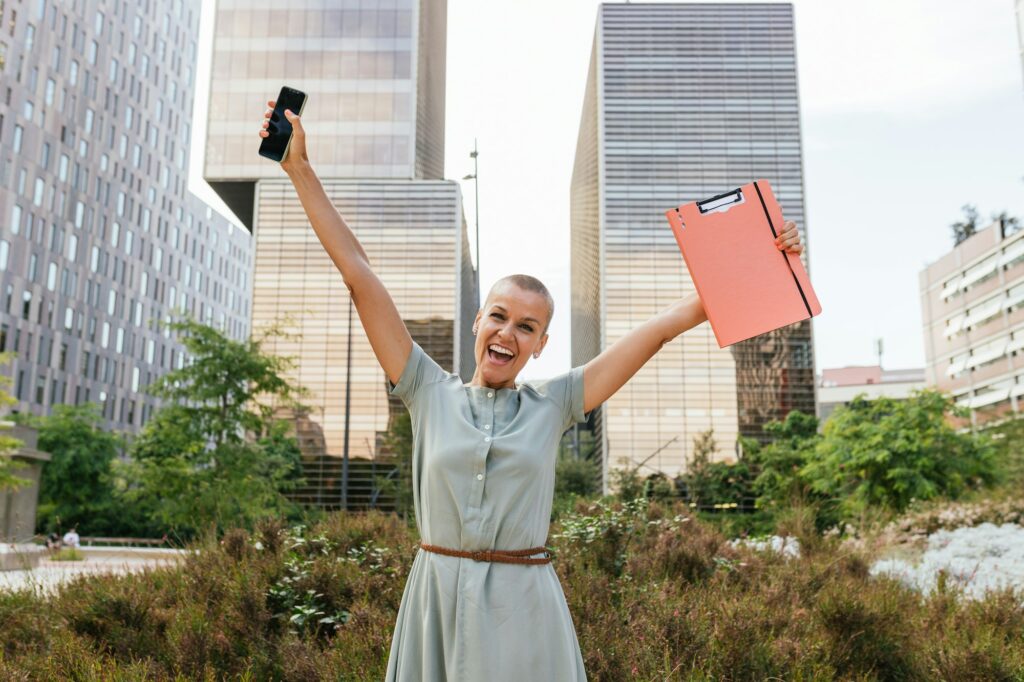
(483, 474)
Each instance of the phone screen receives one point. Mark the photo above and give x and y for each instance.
(276, 145)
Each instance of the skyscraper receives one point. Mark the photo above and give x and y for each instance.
(99, 236)
(374, 75)
(683, 102)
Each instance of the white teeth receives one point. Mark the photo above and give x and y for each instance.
(500, 349)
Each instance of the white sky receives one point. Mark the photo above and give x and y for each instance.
(909, 109)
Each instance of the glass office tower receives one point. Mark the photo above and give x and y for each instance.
(99, 235)
(374, 74)
(683, 102)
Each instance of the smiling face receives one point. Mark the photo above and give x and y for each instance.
(510, 329)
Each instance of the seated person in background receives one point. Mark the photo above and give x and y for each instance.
(71, 538)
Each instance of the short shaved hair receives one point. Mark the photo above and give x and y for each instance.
(527, 283)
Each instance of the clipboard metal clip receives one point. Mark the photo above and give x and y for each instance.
(721, 202)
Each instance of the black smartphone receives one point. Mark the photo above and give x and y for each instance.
(275, 146)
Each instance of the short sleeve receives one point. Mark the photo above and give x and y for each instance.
(566, 391)
(574, 403)
(420, 370)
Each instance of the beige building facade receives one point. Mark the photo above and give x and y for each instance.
(972, 309)
(374, 75)
(838, 386)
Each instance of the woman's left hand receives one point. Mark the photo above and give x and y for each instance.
(789, 238)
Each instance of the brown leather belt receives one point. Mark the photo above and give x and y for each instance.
(505, 556)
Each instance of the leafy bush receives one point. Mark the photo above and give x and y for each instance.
(873, 457)
(886, 453)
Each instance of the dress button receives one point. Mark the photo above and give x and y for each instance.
(490, 394)
(479, 477)
(487, 439)
(487, 426)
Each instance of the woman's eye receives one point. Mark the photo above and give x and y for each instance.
(526, 327)
(496, 316)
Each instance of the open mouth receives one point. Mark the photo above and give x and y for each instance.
(499, 355)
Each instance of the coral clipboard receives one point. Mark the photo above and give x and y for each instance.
(748, 285)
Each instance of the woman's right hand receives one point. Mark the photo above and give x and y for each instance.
(297, 149)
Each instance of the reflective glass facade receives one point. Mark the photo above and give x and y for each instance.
(374, 73)
(683, 102)
(99, 236)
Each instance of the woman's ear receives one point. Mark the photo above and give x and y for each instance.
(543, 342)
(476, 321)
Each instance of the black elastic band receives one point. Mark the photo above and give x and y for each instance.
(775, 234)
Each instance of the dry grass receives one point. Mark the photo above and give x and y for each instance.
(655, 595)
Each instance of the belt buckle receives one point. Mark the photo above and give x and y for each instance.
(480, 555)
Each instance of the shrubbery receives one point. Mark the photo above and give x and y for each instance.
(215, 454)
(654, 593)
(872, 458)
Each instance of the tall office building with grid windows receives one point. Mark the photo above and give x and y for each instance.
(374, 72)
(99, 235)
(682, 102)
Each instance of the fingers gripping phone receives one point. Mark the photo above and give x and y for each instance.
(275, 146)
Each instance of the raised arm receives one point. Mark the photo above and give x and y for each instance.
(609, 371)
(388, 334)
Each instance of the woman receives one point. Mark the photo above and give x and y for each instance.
(482, 601)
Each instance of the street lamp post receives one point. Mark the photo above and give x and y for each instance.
(474, 176)
(348, 411)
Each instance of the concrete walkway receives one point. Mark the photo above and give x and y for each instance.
(50, 574)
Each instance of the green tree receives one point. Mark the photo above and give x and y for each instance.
(398, 483)
(216, 454)
(1008, 440)
(77, 486)
(577, 473)
(8, 445)
(886, 452)
(964, 229)
(778, 483)
(698, 477)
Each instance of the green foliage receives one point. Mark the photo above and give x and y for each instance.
(215, 455)
(68, 554)
(576, 476)
(226, 382)
(967, 227)
(886, 453)
(398, 483)
(698, 479)
(8, 445)
(778, 483)
(1008, 441)
(77, 486)
(715, 485)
